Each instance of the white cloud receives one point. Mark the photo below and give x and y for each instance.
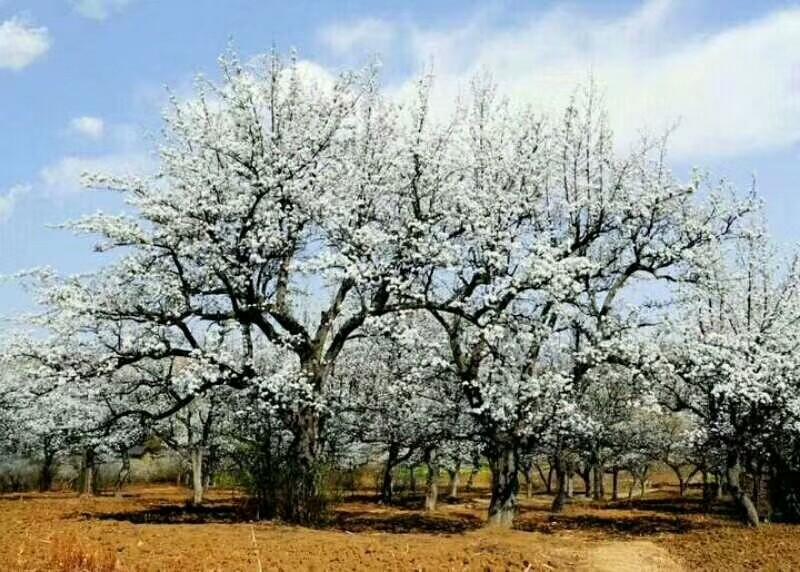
(21, 44)
(734, 90)
(65, 175)
(8, 201)
(91, 127)
(99, 9)
(369, 34)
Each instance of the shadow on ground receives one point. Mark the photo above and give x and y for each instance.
(348, 517)
(639, 525)
(212, 512)
(405, 522)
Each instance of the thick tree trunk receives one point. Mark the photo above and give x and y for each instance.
(210, 468)
(87, 480)
(387, 485)
(586, 476)
(432, 482)
(454, 478)
(756, 488)
(615, 484)
(708, 495)
(301, 502)
(560, 499)
(598, 489)
(46, 475)
(734, 472)
(197, 475)
(505, 485)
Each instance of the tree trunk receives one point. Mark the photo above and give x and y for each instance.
(210, 468)
(599, 492)
(734, 472)
(87, 480)
(471, 479)
(682, 482)
(454, 478)
(301, 501)
(505, 485)
(124, 473)
(412, 478)
(529, 481)
(46, 475)
(586, 477)
(432, 481)
(708, 495)
(550, 472)
(546, 481)
(570, 485)
(756, 488)
(615, 484)
(387, 486)
(561, 493)
(197, 475)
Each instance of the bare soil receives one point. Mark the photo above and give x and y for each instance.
(153, 528)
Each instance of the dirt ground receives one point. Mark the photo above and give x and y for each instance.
(153, 529)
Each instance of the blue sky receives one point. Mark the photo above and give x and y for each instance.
(82, 84)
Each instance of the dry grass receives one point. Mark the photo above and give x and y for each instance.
(71, 554)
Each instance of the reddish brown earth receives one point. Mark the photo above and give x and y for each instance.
(153, 529)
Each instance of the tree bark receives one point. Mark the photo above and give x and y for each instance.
(88, 485)
(529, 481)
(746, 506)
(301, 484)
(454, 478)
(615, 484)
(124, 473)
(432, 482)
(598, 492)
(46, 475)
(560, 499)
(756, 488)
(586, 476)
(708, 495)
(682, 482)
(546, 481)
(387, 486)
(197, 475)
(471, 479)
(412, 478)
(503, 505)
